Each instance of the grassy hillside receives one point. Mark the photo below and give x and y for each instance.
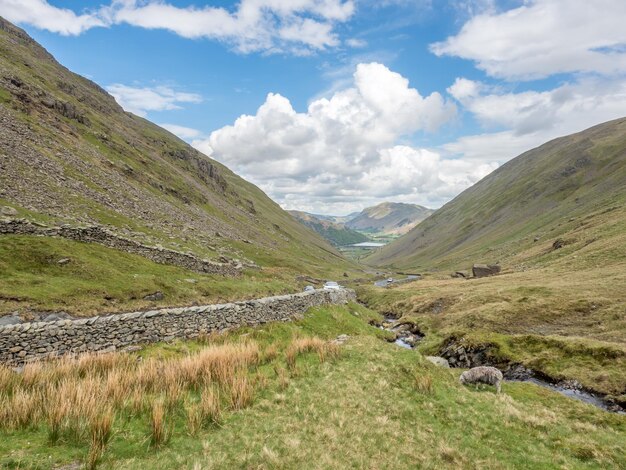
(570, 188)
(70, 155)
(389, 218)
(336, 233)
(300, 401)
(555, 220)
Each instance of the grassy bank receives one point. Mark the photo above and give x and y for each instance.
(372, 405)
(565, 324)
(98, 279)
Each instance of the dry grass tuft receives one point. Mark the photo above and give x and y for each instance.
(100, 426)
(283, 378)
(194, 418)
(270, 353)
(210, 407)
(310, 344)
(159, 433)
(241, 392)
(423, 384)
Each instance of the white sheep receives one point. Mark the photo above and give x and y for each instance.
(482, 374)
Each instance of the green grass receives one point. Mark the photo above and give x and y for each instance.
(564, 324)
(99, 279)
(367, 409)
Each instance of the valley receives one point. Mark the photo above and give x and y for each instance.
(159, 311)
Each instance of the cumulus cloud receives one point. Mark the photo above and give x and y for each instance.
(544, 37)
(531, 118)
(140, 100)
(298, 26)
(344, 149)
(42, 15)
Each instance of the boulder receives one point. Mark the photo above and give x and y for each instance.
(56, 317)
(484, 270)
(438, 361)
(459, 274)
(154, 297)
(10, 320)
(558, 243)
(6, 210)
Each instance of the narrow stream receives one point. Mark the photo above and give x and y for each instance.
(576, 394)
(407, 336)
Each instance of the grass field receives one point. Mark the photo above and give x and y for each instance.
(373, 406)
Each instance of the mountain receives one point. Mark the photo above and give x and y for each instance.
(336, 233)
(566, 193)
(69, 154)
(339, 219)
(389, 218)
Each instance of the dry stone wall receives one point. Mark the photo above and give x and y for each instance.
(97, 234)
(32, 341)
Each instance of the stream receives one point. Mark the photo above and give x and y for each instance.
(407, 336)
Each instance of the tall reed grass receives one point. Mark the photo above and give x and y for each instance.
(77, 399)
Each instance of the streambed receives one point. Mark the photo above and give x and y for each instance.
(407, 336)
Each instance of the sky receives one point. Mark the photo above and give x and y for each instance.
(331, 106)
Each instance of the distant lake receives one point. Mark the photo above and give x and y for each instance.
(369, 245)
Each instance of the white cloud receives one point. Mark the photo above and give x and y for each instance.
(356, 43)
(182, 131)
(544, 37)
(140, 100)
(343, 149)
(298, 26)
(462, 89)
(41, 14)
(530, 118)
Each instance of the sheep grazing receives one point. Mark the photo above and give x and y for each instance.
(483, 374)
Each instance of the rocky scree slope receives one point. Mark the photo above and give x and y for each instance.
(69, 154)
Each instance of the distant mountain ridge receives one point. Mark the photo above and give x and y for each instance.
(336, 233)
(389, 218)
(385, 219)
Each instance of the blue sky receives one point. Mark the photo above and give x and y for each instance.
(348, 103)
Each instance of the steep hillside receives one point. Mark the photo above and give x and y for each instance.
(570, 189)
(336, 233)
(389, 218)
(70, 155)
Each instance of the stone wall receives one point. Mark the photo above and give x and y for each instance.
(97, 234)
(30, 341)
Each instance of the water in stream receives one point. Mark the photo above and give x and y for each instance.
(407, 337)
(576, 394)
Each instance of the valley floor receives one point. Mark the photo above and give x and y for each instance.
(374, 406)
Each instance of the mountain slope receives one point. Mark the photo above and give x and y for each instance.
(336, 233)
(571, 187)
(389, 218)
(70, 155)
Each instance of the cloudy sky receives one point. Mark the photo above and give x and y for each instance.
(333, 105)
